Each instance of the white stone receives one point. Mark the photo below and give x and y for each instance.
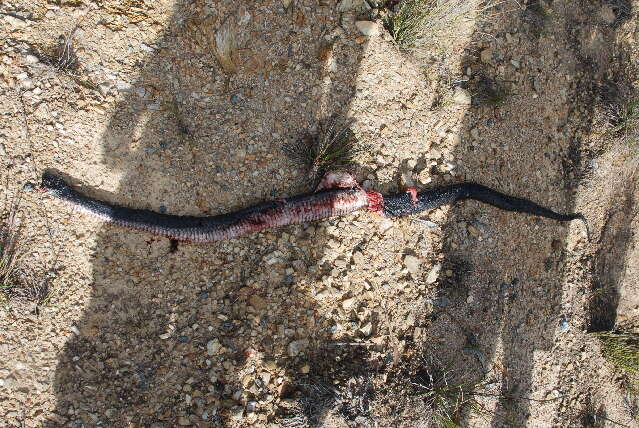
(462, 97)
(349, 303)
(412, 264)
(385, 224)
(434, 273)
(367, 28)
(367, 329)
(213, 347)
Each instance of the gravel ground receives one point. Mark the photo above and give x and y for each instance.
(332, 323)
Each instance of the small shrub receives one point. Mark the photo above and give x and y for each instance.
(420, 24)
(622, 351)
(624, 118)
(447, 395)
(332, 147)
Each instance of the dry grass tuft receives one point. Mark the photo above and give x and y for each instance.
(9, 252)
(332, 147)
(418, 25)
(447, 396)
(18, 287)
(62, 57)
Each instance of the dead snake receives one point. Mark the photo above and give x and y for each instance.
(337, 195)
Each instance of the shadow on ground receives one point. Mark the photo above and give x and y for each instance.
(170, 337)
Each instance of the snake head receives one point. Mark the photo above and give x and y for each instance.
(52, 183)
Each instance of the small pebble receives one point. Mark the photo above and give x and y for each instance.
(213, 347)
(235, 99)
(412, 264)
(434, 273)
(367, 28)
(183, 339)
(462, 97)
(296, 347)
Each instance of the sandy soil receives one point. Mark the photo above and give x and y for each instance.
(329, 324)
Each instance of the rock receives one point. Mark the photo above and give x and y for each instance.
(165, 336)
(486, 56)
(407, 179)
(123, 86)
(213, 347)
(426, 223)
(251, 406)
(257, 302)
(31, 59)
(607, 15)
(412, 264)
(346, 5)
(367, 28)
(434, 273)
(27, 84)
(104, 88)
(305, 369)
(296, 347)
(147, 48)
(349, 303)
(237, 413)
(14, 22)
(184, 421)
(515, 63)
(367, 329)
(462, 97)
(385, 224)
(358, 258)
(473, 231)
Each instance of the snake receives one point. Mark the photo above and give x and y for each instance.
(338, 194)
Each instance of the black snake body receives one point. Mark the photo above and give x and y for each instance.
(341, 199)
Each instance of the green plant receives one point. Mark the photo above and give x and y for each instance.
(625, 118)
(622, 351)
(420, 24)
(332, 147)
